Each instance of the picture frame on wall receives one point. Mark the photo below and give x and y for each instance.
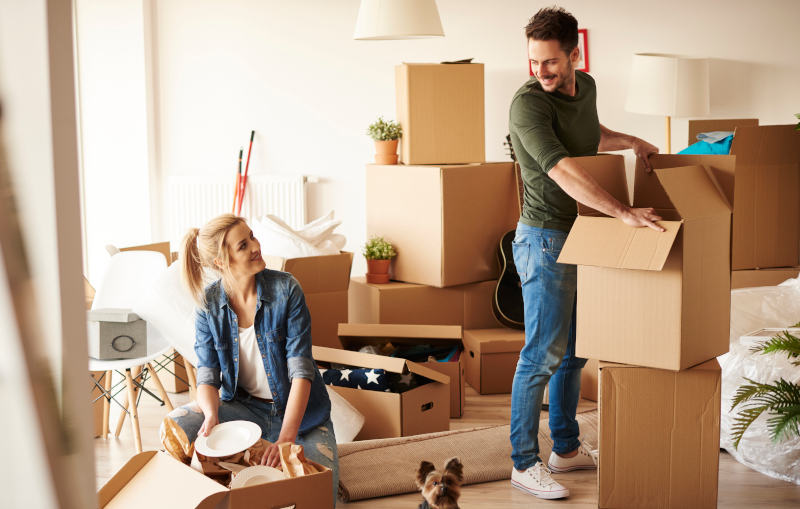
(583, 49)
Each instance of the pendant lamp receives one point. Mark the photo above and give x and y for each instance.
(398, 19)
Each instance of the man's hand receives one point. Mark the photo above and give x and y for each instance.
(272, 456)
(639, 218)
(643, 151)
(210, 421)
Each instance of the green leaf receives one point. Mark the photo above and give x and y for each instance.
(797, 115)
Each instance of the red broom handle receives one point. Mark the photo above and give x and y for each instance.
(244, 177)
(238, 180)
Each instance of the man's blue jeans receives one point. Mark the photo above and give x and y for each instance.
(549, 291)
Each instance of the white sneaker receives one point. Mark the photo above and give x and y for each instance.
(537, 482)
(586, 459)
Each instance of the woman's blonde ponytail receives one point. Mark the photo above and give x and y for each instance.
(192, 267)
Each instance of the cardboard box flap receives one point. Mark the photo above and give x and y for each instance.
(141, 481)
(718, 124)
(712, 365)
(768, 144)
(494, 340)
(316, 274)
(609, 172)
(608, 242)
(693, 192)
(362, 334)
(366, 360)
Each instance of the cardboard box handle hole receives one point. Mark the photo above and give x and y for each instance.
(471, 353)
(427, 406)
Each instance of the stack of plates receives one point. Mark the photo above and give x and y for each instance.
(251, 476)
(228, 438)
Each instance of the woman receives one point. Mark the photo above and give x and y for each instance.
(253, 340)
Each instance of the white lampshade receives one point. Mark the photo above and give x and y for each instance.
(398, 19)
(668, 85)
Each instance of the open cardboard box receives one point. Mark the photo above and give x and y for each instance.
(441, 110)
(659, 436)
(444, 221)
(424, 409)
(469, 306)
(648, 298)
(762, 277)
(324, 280)
(491, 356)
(761, 180)
(155, 479)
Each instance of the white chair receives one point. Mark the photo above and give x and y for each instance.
(128, 276)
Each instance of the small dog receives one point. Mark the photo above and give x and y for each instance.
(440, 489)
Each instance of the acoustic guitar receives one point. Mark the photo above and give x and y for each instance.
(507, 299)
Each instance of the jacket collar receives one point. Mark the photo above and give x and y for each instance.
(261, 290)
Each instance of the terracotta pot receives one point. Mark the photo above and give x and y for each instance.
(386, 159)
(377, 267)
(377, 279)
(386, 148)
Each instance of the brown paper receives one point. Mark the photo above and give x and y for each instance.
(175, 441)
(294, 461)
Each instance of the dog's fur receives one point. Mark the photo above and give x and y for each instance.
(440, 489)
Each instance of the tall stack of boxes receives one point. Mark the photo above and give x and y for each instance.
(444, 209)
(655, 307)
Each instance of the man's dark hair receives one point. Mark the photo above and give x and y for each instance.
(554, 23)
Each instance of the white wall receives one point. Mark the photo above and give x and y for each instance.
(292, 72)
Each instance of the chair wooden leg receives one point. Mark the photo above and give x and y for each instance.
(125, 404)
(192, 380)
(134, 412)
(160, 387)
(107, 404)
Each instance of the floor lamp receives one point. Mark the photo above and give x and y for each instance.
(670, 86)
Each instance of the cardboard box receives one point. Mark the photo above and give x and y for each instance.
(589, 380)
(424, 409)
(142, 482)
(762, 277)
(444, 221)
(659, 436)
(655, 299)
(324, 280)
(761, 180)
(469, 306)
(441, 110)
(492, 356)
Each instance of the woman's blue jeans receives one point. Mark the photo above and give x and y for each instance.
(319, 445)
(549, 291)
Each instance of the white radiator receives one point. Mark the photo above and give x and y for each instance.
(192, 201)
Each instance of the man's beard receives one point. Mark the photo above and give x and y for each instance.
(563, 80)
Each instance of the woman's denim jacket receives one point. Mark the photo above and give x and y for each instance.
(283, 333)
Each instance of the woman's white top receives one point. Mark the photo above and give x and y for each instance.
(252, 375)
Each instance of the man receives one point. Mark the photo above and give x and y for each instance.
(553, 119)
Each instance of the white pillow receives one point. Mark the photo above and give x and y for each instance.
(277, 241)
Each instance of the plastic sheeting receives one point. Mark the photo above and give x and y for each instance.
(753, 309)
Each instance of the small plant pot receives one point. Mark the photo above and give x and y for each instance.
(386, 148)
(377, 279)
(377, 267)
(379, 159)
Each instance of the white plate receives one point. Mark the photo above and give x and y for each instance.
(260, 474)
(228, 438)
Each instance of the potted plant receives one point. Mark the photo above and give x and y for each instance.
(386, 135)
(379, 254)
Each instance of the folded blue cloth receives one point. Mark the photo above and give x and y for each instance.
(722, 147)
(360, 378)
(714, 136)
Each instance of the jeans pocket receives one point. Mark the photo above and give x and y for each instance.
(521, 252)
(552, 246)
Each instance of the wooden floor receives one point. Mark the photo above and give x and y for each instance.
(739, 486)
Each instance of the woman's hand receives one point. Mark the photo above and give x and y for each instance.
(210, 421)
(272, 456)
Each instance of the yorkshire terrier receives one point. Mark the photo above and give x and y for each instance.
(440, 489)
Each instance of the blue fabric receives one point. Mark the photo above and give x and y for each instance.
(359, 378)
(702, 147)
(322, 438)
(714, 136)
(549, 292)
(283, 333)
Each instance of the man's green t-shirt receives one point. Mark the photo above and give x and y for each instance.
(545, 128)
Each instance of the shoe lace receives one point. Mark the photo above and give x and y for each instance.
(592, 453)
(542, 474)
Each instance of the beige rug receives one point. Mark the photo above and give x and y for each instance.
(379, 468)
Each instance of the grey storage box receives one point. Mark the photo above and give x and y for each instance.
(116, 334)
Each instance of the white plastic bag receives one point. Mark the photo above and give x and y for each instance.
(752, 309)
